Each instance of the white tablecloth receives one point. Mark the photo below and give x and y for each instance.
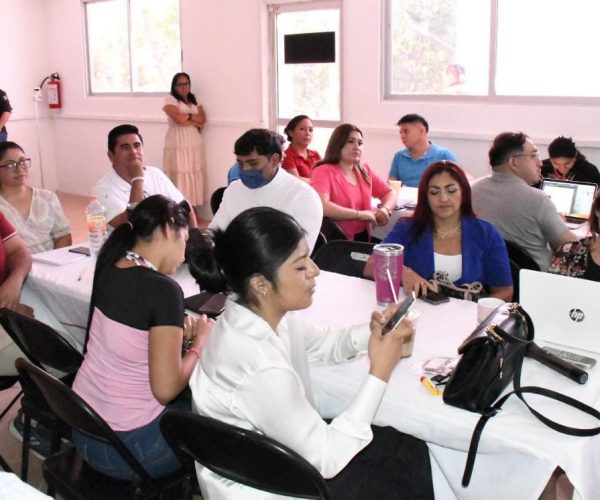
(517, 453)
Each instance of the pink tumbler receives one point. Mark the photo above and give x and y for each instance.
(387, 257)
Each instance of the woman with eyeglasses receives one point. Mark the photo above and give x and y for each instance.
(35, 213)
(183, 155)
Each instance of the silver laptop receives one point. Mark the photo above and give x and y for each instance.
(571, 199)
(565, 311)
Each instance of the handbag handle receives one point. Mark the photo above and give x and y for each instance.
(519, 391)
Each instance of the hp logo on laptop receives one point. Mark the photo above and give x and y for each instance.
(576, 315)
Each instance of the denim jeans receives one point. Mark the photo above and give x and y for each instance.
(3, 136)
(146, 443)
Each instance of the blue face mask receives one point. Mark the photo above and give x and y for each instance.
(253, 179)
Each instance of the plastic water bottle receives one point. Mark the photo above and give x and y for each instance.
(96, 224)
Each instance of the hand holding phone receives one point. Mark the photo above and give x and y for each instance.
(435, 298)
(400, 314)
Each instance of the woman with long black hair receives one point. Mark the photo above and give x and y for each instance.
(133, 366)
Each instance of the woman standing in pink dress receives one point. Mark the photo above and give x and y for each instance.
(183, 157)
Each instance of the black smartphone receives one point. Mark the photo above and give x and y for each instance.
(211, 304)
(81, 250)
(400, 313)
(435, 298)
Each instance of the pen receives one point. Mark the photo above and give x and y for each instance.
(429, 386)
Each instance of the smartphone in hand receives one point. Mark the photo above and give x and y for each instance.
(400, 314)
(435, 298)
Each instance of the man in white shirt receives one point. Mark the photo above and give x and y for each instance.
(524, 215)
(130, 181)
(263, 183)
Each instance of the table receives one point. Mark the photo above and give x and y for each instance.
(517, 453)
(60, 295)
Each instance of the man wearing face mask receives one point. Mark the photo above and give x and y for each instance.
(263, 183)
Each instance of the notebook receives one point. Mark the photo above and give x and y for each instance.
(564, 310)
(571, 199)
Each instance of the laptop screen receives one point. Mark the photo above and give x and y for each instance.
(570, 198)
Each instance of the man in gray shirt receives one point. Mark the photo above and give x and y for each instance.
(523, 214)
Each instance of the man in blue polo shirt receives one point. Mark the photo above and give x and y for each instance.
(409, 163)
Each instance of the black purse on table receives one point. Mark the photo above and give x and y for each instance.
(492, 358)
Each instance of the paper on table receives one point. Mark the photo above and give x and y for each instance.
(58, 257)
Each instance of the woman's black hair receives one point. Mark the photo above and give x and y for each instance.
(190, 97)
(156, 211)
(256, 242)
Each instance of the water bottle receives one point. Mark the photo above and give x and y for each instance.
(96, 224)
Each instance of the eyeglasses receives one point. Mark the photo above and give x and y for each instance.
(24, 163)
(535, 155)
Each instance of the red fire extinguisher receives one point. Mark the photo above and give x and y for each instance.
(54, 92)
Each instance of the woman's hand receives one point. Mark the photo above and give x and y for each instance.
(382, 217)
(196, 330)
(386, 350)
(365, 215)
(411, 281)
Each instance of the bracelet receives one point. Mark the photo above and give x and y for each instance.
(195, 351)
(135, 179)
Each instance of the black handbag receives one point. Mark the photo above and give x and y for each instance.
(492, 357)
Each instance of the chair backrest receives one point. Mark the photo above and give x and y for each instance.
(242, 455)
(520, 256)
(344, 257)
(331, 230)
(216, 198)
(514, 271)
(75, 412)
(321, 241)
(42, 345)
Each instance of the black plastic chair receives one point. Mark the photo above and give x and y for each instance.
(68, 474)
(242, 455)
(519, 259)
(344, 257)
(216, 198)
(49, 350)
(331, 230)
(321, 241)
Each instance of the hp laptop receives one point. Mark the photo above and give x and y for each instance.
(571, 199)
(565, 311)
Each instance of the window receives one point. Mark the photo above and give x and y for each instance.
(132, 45)
(309, 88)
(533, 48)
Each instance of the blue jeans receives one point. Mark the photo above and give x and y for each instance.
(3, 136)
(146, 443)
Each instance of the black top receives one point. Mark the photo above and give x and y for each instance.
(592, 271)
(582, 171)
(4, 105)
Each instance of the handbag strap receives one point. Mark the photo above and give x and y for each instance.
(519, 391)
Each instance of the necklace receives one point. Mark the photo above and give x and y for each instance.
(138, 260)
(444, 235)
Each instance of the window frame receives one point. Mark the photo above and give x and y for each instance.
(88, 78)
(491, 98)
(273, 8)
